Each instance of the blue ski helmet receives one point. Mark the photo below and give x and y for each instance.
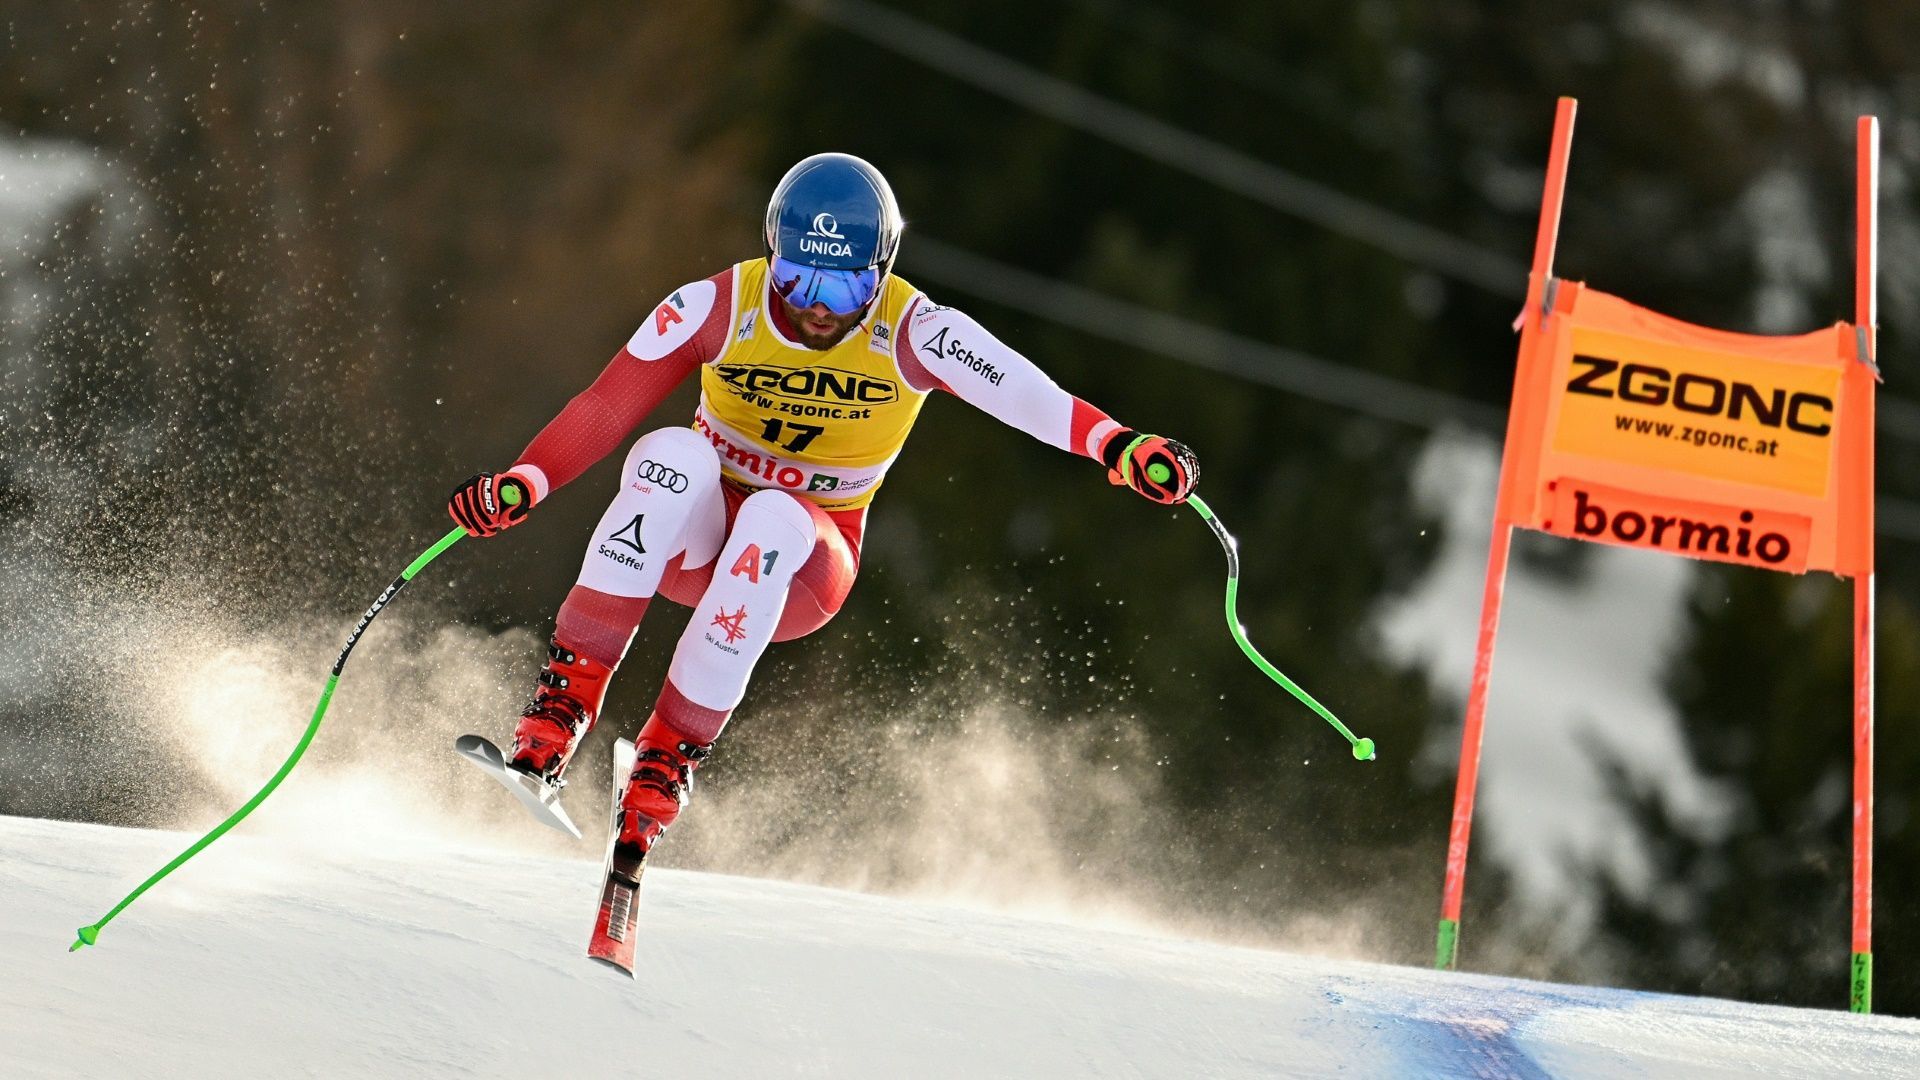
(832, 232)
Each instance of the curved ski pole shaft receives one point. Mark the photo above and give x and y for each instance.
(90, 934)
(1362, 748)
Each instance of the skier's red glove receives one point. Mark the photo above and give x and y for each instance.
(490, 503)
(1155, 466)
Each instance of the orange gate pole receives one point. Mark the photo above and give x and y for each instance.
(1447, 943)
(1866, 273)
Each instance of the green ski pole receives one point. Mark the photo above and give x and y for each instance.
(1362, 748)
(88, 935)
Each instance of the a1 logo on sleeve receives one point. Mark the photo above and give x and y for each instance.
(674, 322)
(669, 313)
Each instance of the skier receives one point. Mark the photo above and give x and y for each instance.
(814, 362)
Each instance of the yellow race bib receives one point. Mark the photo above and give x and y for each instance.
(822, 425)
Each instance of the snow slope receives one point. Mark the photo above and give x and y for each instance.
(264, 960)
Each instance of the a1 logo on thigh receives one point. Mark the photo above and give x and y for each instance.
(751, 563)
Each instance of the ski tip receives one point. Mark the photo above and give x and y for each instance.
(539, 797)
(543, 801)
(613, 964)
(562, 822)
(470, 744)
(87, 936)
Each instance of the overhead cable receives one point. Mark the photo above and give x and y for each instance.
(1135, 326)
(1211, 161)
(1175, 147)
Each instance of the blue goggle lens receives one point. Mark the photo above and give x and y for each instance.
(843, 291)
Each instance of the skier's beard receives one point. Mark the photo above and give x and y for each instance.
(820, 340)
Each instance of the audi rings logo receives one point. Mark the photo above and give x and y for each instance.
(654, 472)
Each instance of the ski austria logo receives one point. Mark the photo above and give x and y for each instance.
(825, 238)
(655, 473)
(733, 625)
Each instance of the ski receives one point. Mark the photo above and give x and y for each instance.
(541, 799)
(615, 925)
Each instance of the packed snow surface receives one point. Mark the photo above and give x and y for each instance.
(260, 959)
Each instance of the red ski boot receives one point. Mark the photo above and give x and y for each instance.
(660, 784)
(564, 707)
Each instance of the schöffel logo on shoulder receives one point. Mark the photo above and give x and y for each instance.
(1704, 395)
(957, 350)
(825, 238)
(808, 383)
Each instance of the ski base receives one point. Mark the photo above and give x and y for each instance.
(615, 926)
(541, 799)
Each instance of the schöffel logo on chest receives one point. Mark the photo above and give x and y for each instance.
(809, 384)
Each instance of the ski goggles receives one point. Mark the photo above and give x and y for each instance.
(843, 291)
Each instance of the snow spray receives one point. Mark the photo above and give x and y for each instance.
(88, 935)
(1362, 748)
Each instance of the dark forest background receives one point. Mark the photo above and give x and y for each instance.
(341, 255)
